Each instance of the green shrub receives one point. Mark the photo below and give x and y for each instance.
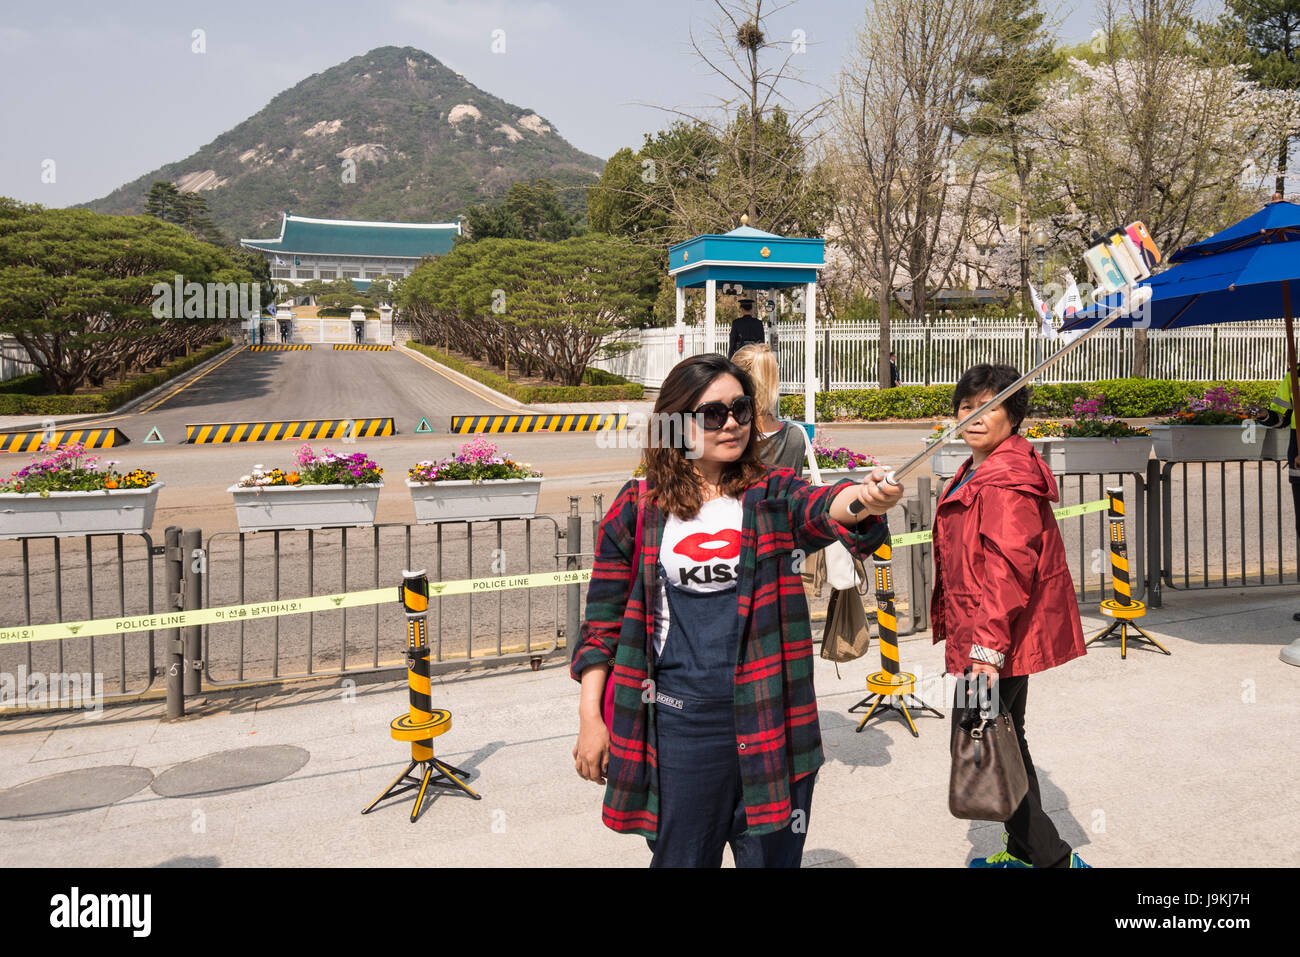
(610, 392)
(593, 376)
(33, 383)
(1125, 399)
(110, 399)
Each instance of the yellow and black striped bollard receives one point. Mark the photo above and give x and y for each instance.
(1123, 607)
(889, 682)
(423, 722)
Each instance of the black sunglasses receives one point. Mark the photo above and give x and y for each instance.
(713, 415)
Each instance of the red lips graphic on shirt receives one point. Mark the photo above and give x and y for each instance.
(706, 546)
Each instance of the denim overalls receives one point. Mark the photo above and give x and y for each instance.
(701, 800)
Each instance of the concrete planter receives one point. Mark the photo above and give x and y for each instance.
(831, 476)
(305, 506)
(1206, 443)
(122, 511)
(949, 459)
(1100, 456)
(467, 501)
(1275, 444)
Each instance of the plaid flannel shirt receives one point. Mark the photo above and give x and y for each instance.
(778, 738)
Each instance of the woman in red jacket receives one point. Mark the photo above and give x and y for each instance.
(1003, 598)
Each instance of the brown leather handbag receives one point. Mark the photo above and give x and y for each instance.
(988, 779)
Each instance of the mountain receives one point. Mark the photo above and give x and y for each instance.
(420, 140)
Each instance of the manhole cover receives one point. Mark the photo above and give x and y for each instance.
(72, 792)
(230, 771)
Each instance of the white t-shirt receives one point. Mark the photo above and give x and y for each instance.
(700, 555)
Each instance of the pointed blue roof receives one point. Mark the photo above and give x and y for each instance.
(749, 256)
(752, 233)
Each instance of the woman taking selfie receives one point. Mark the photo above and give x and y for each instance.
(714, 737)
(1003, 596)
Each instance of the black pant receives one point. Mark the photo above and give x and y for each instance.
(1295, 498)
(1031, 835)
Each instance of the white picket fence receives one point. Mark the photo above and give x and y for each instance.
(938, 352)
(13, 360)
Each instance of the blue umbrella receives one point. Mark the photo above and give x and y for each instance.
(1242, 273)
(1239, 274)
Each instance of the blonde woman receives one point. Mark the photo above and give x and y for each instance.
(782, 444)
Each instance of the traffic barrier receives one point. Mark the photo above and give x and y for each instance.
(889, 684)
(340, 347)
(546, 422)
(33, 441)
(422, 723)
(1121, 605)
(304, 429)
(279, 348)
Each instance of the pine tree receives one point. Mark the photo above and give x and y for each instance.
(1269, 30)
(1020, 57)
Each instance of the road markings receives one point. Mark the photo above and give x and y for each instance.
(187, 384)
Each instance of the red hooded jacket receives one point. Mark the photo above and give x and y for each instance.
(1002, 586)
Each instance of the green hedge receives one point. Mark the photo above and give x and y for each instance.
(110, 399)
(1125, 398)
(597, 392)
(594, 376)
(33, 383)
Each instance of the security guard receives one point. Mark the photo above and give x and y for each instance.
(746, 328)
(1279, 416)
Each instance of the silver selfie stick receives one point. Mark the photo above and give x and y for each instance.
(1135, 299)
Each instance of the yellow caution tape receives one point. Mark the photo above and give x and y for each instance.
(1069, 511)
(374, 596)
(271, 609)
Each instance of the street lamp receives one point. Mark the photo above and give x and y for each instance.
(1039, 238)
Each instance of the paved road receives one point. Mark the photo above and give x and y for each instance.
(248, 386)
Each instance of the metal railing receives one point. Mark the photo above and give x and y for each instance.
(46, 580)
(1225, 525)
(464, 629)
(937, 352)
(1085, 538)
(1190, 525)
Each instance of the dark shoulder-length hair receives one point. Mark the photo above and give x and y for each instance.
(675, 484)
(993, 378)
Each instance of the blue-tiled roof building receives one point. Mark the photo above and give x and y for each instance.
(348, 249)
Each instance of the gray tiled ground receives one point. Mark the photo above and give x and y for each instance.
(1151, 761)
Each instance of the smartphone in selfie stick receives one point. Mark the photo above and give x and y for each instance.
(1135, 298)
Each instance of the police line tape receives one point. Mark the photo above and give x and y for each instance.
(271, 609)
(1069, 511)
(257, 611)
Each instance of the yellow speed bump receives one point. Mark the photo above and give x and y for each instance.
(545, 422)
(102, 438)
(219, 433)
(360, 348)
(279, 348)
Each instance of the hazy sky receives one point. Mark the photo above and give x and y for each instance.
(110, 91)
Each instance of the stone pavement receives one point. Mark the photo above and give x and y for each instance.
(1154, 761)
